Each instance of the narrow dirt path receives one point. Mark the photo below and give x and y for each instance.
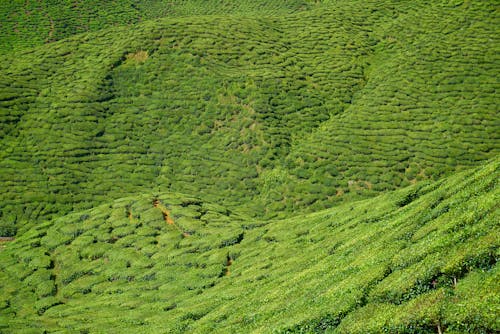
(227, 269)
(51, 29)
(130, 216)
(229, 263)
(168, 217)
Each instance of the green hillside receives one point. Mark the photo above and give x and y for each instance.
(28, 23)
(290, 166)
(268, 114)
(407, 262)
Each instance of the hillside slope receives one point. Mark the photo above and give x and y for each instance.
(267, 115)
(419, 260)
(30, 23)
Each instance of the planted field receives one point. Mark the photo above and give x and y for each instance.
(30, 23)
(411, 261)
(270, 114)
(249, 166)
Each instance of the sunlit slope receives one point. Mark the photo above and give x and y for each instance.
(427, 105)
(198, 105)
(411, 261)
(30, 23)
(268, 115)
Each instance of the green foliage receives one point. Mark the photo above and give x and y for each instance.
(7, 229)
(30, 23)
(369, 266)
(265, 113)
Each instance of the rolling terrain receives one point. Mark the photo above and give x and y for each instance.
(30, 23)
(194, 166)
(266, 114)
(410, 261)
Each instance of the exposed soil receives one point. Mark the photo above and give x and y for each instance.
(168, 217)
(229, 262)
(5, 240)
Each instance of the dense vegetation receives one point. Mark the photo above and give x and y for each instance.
(270, 114)
(171, 162)
(406, 262)
(27, 23)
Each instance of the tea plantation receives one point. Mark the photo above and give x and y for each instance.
(290, 166)
(28, 23)
(410, 261)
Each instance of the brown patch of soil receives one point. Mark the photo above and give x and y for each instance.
(4, 240)
(139, 56)
(7, 239)
(229, 262)
(167, 216)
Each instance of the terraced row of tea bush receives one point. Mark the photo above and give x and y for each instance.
(270, 114)
(419, 260)
(428, 105)
(30, 23)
